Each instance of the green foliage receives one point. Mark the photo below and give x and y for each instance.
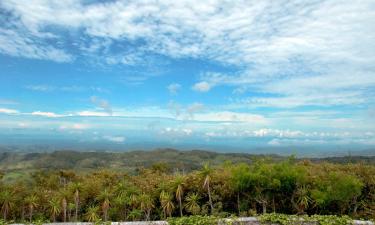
(242, 189)
(283, 219)
(135, 214)
(192, 203)
(39, 221)
(339, 188)
(92, 214)
(193, 220)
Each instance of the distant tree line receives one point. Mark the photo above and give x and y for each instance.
(129, 161)
(159, 192)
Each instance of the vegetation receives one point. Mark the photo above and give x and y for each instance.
(20, 164)
(290, 219)
(271, 218)
(210, 192)
(193, 220)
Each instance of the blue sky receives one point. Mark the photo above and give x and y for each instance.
(189, 74)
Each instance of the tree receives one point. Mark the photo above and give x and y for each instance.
(64, 196)
(120, 203)
(179, 183)
(264, 183)
(104, 197)
(146, 204)
(166, 203)
(77, 187)
(71, 207)
(337, 189)
(121, 199)
(303, 199)
(7, 202)
(192, 203)
(240, 180)
(55, 208)
(206, 173)
(32, 203)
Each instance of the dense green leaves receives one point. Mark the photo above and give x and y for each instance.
(193, 220)
(300, 220)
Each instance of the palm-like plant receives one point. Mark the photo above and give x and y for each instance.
(92, 214)
(77, 187)
(133, 200)
(135, 214)
(7, 202)
(166, 203)
(179, 187)
(192, 203)
(146, 204)
(71, 207)
(206, 173)
(55, 208)
(120, 202)
(261, 198)
(303, 199)
(104, 197)
(31, 202)
(121, 188)
(64, 196)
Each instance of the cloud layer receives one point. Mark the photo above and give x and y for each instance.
(245, 69)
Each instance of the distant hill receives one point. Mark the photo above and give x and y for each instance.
(184, 160)
(129, 161)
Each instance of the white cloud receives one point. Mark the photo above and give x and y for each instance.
(93, 113)
(73, 88)
(43, 88)
(130, 59)
(202, 86)
(17, 44)
(192, 109)
(186, 112)
(116, 139)
(23, 125)
(227, 116)
(46, 114)
(7, 102)
(265, 33)
(297, 142)
(175, 108)
(8, 111)
(287, 134)
(205, 124)
(176, 132)
(174, 88)
(74, 126)
(278, 133)
(302, 99)
(274, 142)
(283, 48)
(102, 104)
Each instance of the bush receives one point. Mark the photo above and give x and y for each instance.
(293, 219)
(193, 220)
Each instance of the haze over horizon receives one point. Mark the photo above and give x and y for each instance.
(188, 74)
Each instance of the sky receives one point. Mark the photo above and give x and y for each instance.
(228, 75)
